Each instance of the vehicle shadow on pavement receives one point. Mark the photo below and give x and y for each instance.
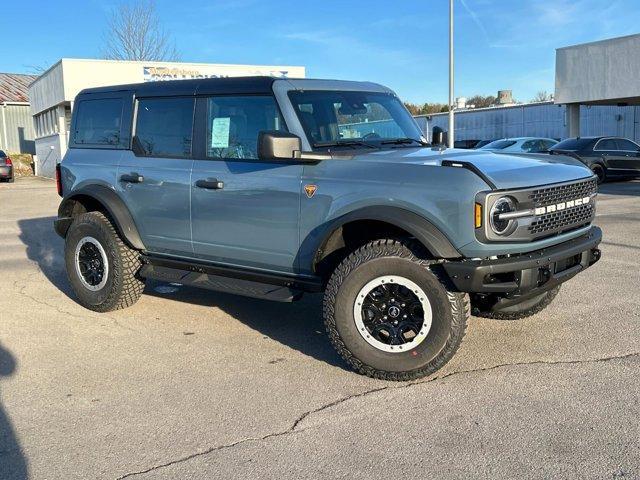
(628, 188)
(13, 464)
(46, 248)
(297, 325)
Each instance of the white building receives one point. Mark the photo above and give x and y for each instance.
(598, 73)
(52, 94)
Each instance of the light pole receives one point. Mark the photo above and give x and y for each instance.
(451, 97)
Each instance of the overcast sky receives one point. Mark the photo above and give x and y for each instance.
(500, 44)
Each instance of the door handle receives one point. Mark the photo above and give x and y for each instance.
(210, 184)
(132, 178)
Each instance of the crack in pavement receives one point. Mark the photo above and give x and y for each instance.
(21, 289)
(293, 429)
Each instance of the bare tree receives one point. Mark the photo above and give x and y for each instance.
(134, 33)
(542, 96)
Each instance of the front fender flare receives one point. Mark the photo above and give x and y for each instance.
(112, 204)
(419, 227)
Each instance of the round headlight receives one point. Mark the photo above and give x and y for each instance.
(502, 205)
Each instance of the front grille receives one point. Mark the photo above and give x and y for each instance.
(563, 220)
(570, 219)
(561, 193)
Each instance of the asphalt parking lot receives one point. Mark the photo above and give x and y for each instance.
(195, 384)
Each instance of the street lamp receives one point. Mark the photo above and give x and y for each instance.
(451, 97)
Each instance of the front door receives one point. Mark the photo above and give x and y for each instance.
(155, 181)
(244, 211)
(607, 148)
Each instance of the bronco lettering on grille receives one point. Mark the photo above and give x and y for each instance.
(558, 207)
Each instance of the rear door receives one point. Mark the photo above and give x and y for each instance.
(155, 180)
(244, 211)
(630, 152)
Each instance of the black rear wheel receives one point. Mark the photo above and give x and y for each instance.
(102, 269)
(484, 306)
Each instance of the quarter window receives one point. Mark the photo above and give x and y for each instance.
(99, 122)
(234, 122)
(164, 126)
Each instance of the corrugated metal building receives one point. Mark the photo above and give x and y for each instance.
(544, 119)
(16, 124)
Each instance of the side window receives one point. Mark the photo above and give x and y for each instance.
(607, 144)
(98, 122)
(234, 122)
(626, 145)
(547, 144)
(528, 146)
(164, 126)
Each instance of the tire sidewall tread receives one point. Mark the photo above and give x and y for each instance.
(444, 301)
(544, 302)
(124, 286)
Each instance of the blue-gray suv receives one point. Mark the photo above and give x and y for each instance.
(274, 187)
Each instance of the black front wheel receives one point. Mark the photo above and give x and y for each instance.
(599, 172)
(391, 314)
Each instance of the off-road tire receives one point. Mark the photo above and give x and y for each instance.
(527, 309)
(394, 257)
(123, 286)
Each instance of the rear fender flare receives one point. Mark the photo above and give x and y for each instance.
(113, 205)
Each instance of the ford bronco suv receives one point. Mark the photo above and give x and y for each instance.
(274, 187)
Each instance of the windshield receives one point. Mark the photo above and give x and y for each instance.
(498, 145)
(334, 118)
(573, 144)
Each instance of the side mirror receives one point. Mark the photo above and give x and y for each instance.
(437, 136)
(277, 145)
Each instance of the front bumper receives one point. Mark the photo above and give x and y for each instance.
(528, 274)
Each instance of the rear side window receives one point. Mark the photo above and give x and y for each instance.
(623, 144)
(98, 122)
(499, 144)
(607, 144)
(164, 126)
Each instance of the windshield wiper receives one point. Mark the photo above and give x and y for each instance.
(402, 141)
(345, 143)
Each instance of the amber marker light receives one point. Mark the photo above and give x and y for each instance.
(478, 215)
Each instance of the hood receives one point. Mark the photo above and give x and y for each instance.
(505, 171)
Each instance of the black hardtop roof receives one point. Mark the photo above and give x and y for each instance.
(225, 85)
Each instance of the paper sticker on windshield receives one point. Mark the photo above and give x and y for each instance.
(220, 132)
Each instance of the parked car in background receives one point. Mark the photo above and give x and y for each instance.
(6, 167)
(607, 157)
(520, 145)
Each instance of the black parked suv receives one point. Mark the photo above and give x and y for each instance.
(608, 157)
